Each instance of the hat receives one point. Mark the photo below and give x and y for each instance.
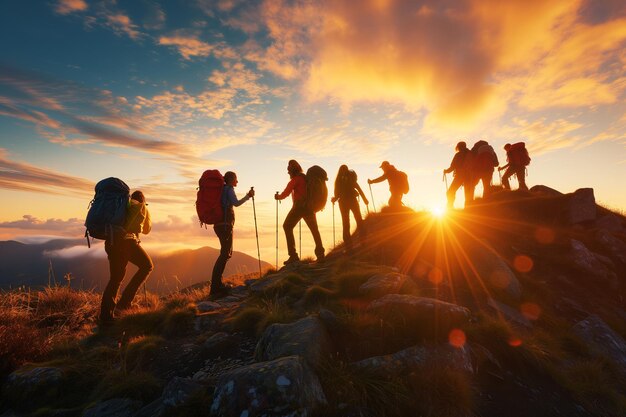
(385, 164)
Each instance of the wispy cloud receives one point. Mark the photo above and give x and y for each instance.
(70, 6)
(187, 45)
(122, 25)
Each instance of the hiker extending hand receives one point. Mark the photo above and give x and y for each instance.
(346, 191)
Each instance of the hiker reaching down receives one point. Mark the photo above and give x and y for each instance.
(297, 188)
(398, 183)
(124, 250)
(517, 160)
(346, 191)
(224, 230)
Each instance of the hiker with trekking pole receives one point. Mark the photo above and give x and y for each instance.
(308, 193)
(398, 184)
(215, 205)
(461, 168)
(517, 160)
(347, 190)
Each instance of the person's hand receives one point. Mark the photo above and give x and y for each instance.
(444, 172)
(276, 197)
(365, 201)
(333, 200)
(369, 181)
(251, 193)
(499, 168)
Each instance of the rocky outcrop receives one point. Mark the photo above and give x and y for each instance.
(178, 390)
(33, 386)
(593, 264)
(306, 337)
(603, 341)
(426, 315)
(115, 407)
(581, 206)
(542, 189)
(615, 247)
(509, 313)
(384, 283)
(411, 359)
(218, 344)
(283, 387)
(492, 269)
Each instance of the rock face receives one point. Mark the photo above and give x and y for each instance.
(542, 189)
(615, 247)
(306, 337)
(411, 359)
(592, 264)
(218, 344)
(283, 387)
(33, 386)
(495, 271)
(581, 206)
(420, 313)
(116, 407)
(511, 314)
(178, 390)
(380, 284)
(603, 341)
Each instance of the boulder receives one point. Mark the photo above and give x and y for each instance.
(384, 283)
(592, 264)
(283, 387)
(427, 316)
(610, 222)
(581, 206)
(207, 306)
(542, 189)
(115, 407)
(178, 390)
(495, 272)
(411, 359)
(30, 387)
(615, 247)
(306, 337)
(219, 344)
(509, 313)
(603, 341)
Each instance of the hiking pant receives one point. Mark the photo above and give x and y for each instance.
(395, 201)
(119, 254)
(468, 188)
(347, 205)
(296, 214)
(486, 178)
(519, 172)
(224, 233)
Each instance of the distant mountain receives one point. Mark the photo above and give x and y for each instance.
(29, 265)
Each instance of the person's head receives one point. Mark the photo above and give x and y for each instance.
(461, 146)
(230, 178)
(343, 170)
(294, 168)
(507, 147)
(385, 166)
(138, 196)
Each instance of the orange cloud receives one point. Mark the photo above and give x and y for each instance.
(70, 6)
(121, 24)
(187, 45)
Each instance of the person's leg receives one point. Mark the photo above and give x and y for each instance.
(117, 269)
(138, 256)
(468, 189)
(454, 186)
(224, 233)
(356, 211)
(311, 222)
(521, 178)
(292, 219)
(344, 209)
(505, 178)
(395, 201)
(486, 179)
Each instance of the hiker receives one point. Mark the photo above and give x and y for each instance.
(347, 190)
(224, 230)
(483, 163)
(517, 159)
(297, 187)
(398, 183)
(121, 250)
(460, 166)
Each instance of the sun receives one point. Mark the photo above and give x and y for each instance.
(438, 211)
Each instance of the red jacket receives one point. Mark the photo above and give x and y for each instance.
(296, 187)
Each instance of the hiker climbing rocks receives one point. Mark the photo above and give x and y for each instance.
(224, 230)
(301, 209)
(121, 249)
(347, 190)
(484, 160)
(517, 160)
(398, 183)
(460, 166)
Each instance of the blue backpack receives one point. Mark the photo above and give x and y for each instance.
(107, 211)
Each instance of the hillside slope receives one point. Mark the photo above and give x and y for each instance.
(514, 306)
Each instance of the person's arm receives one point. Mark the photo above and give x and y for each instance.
(379, 179)
(231, 198)
(288, 190)
(453, 164)
(147, 223)
(358, 188)
(504, 167)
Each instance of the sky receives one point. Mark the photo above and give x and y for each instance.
(155, 92)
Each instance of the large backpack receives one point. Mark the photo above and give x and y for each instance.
(107, 211)
(316, 190)
(209, 197)
(345, 187)
(518, 154)
(485, 158)
(136, 218)
(402, 181)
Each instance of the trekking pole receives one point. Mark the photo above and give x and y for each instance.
(372, 194)
(256, 230)
(277, 232)
(334, 244)
(300, 236)
(500, 175)
(445, 179)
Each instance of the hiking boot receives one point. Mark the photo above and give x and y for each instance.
(292, 259)
(320, 258)
(106, 322)
(219, 291)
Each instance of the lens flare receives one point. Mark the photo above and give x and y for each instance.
(438, 211)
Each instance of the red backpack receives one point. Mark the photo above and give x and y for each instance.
(518, 154)
(209, 197)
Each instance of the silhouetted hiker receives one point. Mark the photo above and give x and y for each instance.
(484, 160)
(124, 249)
(460, 165)
(398, 183)
(224, 231)
(517, 158)
(297, 187)
(346, 191)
